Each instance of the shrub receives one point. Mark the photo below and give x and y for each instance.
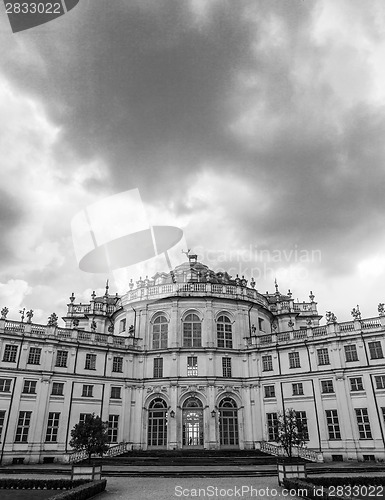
(311, 484)
(82, 492)
(9, 483)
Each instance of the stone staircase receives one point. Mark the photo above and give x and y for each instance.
(188, 463)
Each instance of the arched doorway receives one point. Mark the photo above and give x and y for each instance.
(228, 423)
(192, 423)
(157, 424)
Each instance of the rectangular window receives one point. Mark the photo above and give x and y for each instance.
(261, 325)
(269, 391)
(192, 366)
(83, 416)
(294, 361)
(158, 367)
(380, 381)
(87, 391)
(29, 387)
(383, 413)
(117, 364)
(363, 423)
(333, 424)
(122, 325)
(5, 384)
(224, 335)
(327, 386)
(272, 426)
(356, 384)
(297, 389)
(10, 353)
(90, 362)
(2, 418)
(52, 427)
(302, 427)
(375, 350)
(34, 356)
(323, 356)
(22, 428)
(226, 367)
(116, 393)
(57, 388)
(351, 353)
(192, 332)
(61, 359)
(113, 422)
(267, 363)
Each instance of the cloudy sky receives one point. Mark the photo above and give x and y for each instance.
(258, 127)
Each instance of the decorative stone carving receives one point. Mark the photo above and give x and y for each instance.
(290, 323)
(330, 317)
(309, 322)
(381, 309)
(4, 312)
(75, 323)
(29, 316)
(93, 325)
(52, 320)
(356, 313)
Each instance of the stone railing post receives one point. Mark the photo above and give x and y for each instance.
(357, 324)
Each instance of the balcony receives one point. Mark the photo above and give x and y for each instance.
(195, 290)
(67, 335)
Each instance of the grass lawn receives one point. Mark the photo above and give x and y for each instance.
(27, 494)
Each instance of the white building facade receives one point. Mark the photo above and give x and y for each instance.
(193, 359)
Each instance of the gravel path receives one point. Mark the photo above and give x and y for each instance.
(127, 488)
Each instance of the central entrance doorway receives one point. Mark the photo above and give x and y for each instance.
(192, 421)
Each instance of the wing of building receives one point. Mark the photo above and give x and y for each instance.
(193, 358)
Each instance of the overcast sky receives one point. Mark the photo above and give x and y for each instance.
(258, 127)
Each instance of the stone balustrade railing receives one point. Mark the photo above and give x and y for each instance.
(183, 289)
(69, 335)
(329, 330)
(113, 451)
(302, 452)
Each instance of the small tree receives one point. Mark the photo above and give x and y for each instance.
(290, 432)
(90, 435)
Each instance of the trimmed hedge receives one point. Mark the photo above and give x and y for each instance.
(301, 484)
(309, 484)
(9, 483)
(337, 481)
(82, 492)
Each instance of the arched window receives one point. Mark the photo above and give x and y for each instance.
(224, 332)
(192, 331)
(228, 422)
(192, 423)
(157, 423)
(160, 333)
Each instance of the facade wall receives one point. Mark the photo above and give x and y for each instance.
(129, 393)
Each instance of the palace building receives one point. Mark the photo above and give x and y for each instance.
(193, 359)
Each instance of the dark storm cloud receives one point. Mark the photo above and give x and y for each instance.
(150, 90)
(143, 91)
